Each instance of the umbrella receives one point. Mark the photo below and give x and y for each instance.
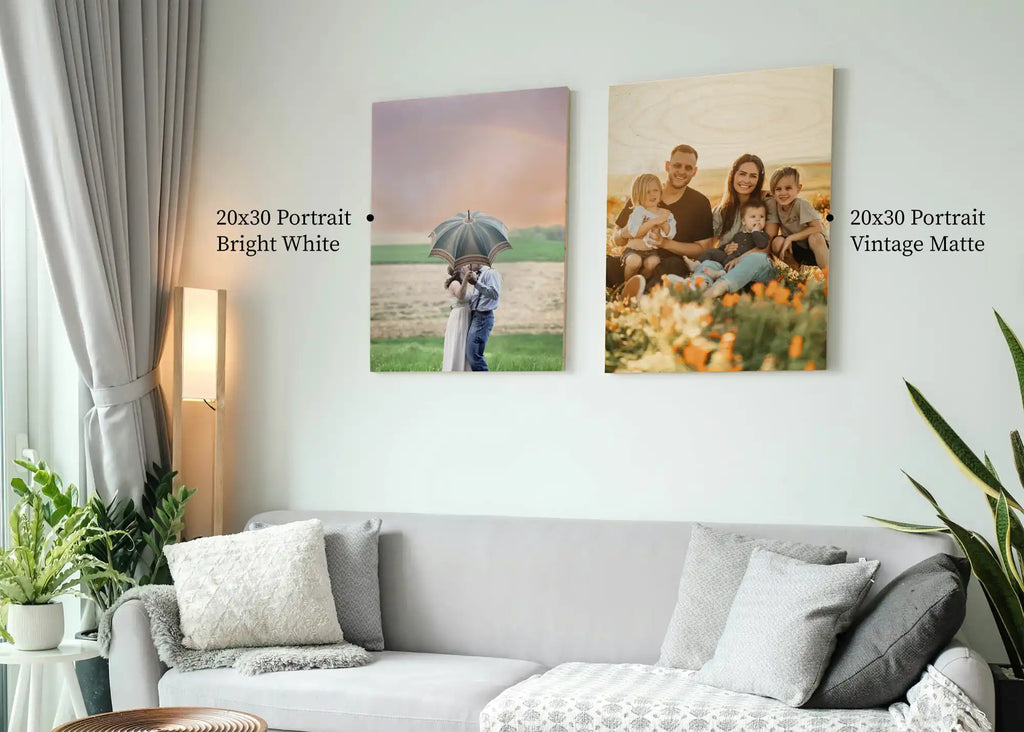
(469, 238)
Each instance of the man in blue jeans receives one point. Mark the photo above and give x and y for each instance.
(487, 291)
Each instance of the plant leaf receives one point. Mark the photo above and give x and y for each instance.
(1017, 447)
(910, 528)
(1016, 352)
(1004, 537)
(19, 487)
(970, 463)
(1002, 597)
(926, 493)
(991, 467)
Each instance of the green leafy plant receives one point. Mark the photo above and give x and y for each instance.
(50, 536)
(137, 551)
(998, 568)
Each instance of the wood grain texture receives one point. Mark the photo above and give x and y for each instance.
(178, 326)
(218, 445)
(178, 719)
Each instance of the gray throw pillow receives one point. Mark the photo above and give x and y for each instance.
(714, 567)
(900, 632)
(783, 624)
(352, 562)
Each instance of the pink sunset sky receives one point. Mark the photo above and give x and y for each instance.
(502, 153)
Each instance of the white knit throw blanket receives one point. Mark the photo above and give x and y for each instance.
(591, 697)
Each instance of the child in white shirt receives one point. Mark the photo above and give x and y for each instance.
(648, 224)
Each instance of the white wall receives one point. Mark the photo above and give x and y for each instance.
(926, 115)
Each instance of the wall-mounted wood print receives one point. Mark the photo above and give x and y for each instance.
(468, 236)
(717, 237)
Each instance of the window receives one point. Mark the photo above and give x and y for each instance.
(40, 399)
(13, 320)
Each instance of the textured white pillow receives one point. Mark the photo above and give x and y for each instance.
(257, 588)
(783, 624)
(712, 572)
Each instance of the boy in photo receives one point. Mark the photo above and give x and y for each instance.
(798, 237)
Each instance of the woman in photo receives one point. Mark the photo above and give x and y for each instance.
(745, 183)
(460, 292)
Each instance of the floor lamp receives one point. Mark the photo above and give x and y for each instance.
(197, 405)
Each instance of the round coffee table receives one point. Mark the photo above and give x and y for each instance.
(176, 719)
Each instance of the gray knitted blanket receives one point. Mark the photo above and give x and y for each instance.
(161, 606)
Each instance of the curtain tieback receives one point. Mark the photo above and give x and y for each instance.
(109, 396)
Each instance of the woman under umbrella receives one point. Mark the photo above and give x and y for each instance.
(469, 243)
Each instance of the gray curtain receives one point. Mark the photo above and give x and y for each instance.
(104, 94)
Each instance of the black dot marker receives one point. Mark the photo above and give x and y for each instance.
(830, 217)
(369, 217)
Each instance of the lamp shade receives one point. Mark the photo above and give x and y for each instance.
(199, 344)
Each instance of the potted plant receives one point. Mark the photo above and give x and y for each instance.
(998, 568)
(137, 551)
(133, 546)
(46, 557)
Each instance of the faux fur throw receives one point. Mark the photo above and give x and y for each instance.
(161, 605)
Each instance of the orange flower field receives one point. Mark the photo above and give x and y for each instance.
(778, 326)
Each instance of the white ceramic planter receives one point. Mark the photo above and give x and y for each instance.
(36, 627)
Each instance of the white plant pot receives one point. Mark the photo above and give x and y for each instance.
(36, 627)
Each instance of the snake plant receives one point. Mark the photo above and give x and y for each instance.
(998, 568)
(48, 556)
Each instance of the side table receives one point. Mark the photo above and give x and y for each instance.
(28, 695)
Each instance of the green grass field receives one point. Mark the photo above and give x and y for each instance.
(519, 352)
(523, 250)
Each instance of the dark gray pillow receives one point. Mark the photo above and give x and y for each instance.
(900, 632)
(352, 559)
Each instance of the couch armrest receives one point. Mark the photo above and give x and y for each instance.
(135, 667)
(967, 669)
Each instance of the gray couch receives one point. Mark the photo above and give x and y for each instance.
(472, 605)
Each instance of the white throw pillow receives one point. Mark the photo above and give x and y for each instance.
(712, 572)
(257, 588)
(783, 624)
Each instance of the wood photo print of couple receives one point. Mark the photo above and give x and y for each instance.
(468, 243)
(717, 240)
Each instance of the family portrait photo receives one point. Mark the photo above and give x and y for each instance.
(468, 236)
(717, 231)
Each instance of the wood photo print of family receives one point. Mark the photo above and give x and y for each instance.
(717, 241)
(468, 235)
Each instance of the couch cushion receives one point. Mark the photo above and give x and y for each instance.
(551, 589)
(397, 692)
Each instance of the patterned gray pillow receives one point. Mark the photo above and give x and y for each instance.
(714, 567)
(783, 624)
(352, 563)
(352, 559)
